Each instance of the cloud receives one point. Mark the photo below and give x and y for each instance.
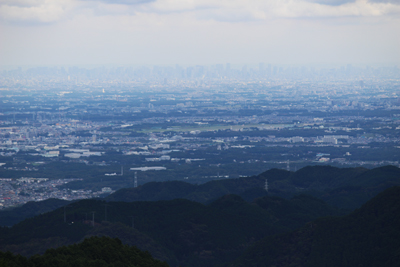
(395, 2)
(342, 2)
(35, 11)
(123, 2)
(22, 3)
(331, 2)
(51, 11)
(249, 10)
(359, 8)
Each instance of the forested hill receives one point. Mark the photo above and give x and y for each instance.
(187, 233)
(12, 216)
(181, 232)
(347, 188)
(370, 236)
(92, 252)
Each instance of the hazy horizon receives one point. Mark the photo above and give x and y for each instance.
(169, 32)
(255, 66)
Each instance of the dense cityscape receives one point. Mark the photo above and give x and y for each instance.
(187, 123)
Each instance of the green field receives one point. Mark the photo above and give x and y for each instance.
(204, 128)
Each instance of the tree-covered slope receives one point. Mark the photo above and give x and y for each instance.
(180, 231)
(92, 252)
(352, 192)
(175, 189)
(12, 216)
(346, 188)
(370, 236)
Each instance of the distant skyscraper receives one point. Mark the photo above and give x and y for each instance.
(261, 69)
(228, 67)
(220, 68)
(275, 70)
(268, 71)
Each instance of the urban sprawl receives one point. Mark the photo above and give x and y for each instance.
(131, 125)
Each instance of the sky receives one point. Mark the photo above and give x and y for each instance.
(203, 32)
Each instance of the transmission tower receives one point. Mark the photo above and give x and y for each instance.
(105, 214)
(266, 185)
(135, 182)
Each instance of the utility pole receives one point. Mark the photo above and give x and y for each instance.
(65, 213)
(105, 216)
(93, 212)
(133, 226)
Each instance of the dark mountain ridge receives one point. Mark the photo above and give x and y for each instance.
(346, 188)
(188, 233)
(369, 236)
(10, 217)
(180, 231)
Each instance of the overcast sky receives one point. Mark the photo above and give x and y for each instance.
(76, 32)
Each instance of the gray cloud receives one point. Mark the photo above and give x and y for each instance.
(33, 12)
(342, 2)
(45, 11)
(122, 2)
(332, 2)
(396, 2)
(21, 3)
